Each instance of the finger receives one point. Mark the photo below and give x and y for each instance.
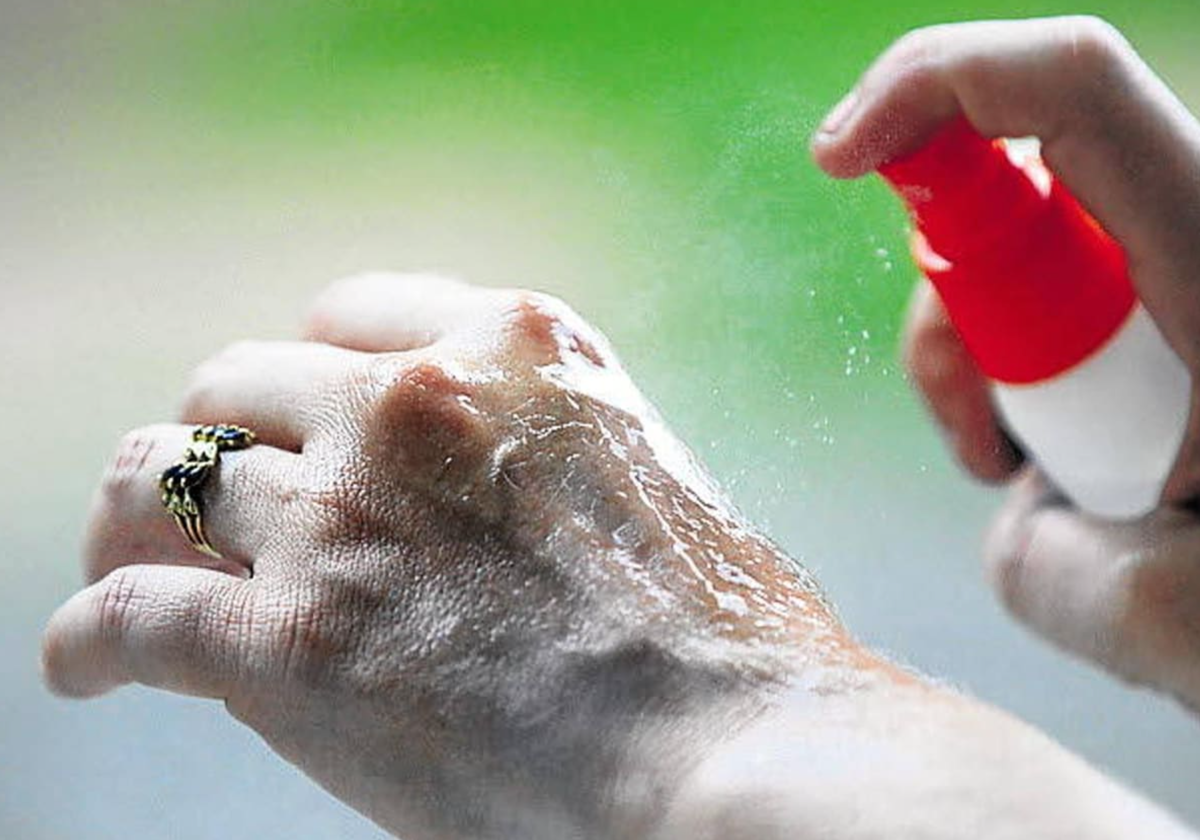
(955, 390)
(242, 506)
(1050, 568)
(286, 391)
(1124, 594)
(169, 627)
(1110, 129)
(392, 312)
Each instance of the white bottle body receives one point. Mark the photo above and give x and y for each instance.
(1107, 431)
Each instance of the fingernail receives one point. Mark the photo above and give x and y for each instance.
(838, 117)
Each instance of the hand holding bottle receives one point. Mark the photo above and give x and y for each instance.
(1124, 594)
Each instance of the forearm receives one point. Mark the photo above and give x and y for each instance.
(901, 761)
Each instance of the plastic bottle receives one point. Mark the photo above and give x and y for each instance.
(1041, 297)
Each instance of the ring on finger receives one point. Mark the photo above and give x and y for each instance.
(180, 483)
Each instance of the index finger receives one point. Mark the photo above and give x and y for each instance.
(1110, 129)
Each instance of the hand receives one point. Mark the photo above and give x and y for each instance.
(472, 585)
(475, 589)
(1125, 595)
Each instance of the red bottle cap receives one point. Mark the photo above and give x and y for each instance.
(1031, 282)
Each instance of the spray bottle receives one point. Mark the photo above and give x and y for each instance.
(1041, 298)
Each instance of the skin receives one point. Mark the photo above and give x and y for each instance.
(475, 588)
(1124, 595)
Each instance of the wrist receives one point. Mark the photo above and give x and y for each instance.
(609, 739)
(631, 726)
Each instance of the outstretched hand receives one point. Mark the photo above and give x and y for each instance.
(471, 583)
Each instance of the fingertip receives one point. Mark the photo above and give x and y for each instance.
(384, 312)
(139, 624)
(830, 161)
(67, 669)
(67, 686)
(329, 308)
(1008, 539)
(828, 145)
(993, 463)
(838, 156)
(345, 302)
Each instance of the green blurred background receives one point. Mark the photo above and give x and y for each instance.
(177, 175)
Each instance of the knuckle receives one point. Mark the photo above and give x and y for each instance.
(546, 330)
(1091, 53)
(430, 426)
(129, 465)
(125, 519)
(1093, 40)
(233, 612)
(1005, 550)
(117, 601)
(413, 390)
(913, 44)
(916, 50)
(423, 397)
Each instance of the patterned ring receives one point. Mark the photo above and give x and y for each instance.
(181, 482)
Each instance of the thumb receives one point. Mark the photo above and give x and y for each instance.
(1125, 595)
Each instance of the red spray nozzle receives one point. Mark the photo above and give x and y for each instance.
(961, 189)
(1032, 283)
